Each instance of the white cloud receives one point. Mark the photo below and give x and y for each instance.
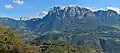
(42, 13)
(92, 9)
(115, 9)
(26, 17)
(104, 9)
(8, 6)
(18, 1)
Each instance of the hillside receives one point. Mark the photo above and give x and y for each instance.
(11, 43)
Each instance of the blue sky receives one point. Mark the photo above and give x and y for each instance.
(34, 7)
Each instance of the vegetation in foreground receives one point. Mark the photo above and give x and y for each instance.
(11, 43)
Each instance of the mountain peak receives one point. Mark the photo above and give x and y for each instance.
(69, 11)
(107, 13)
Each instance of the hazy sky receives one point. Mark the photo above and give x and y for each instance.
(15, 8)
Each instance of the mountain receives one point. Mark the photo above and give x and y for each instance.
(71, 17)
(73, 24)
(109, 17)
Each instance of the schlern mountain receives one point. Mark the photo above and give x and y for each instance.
(81, 26)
